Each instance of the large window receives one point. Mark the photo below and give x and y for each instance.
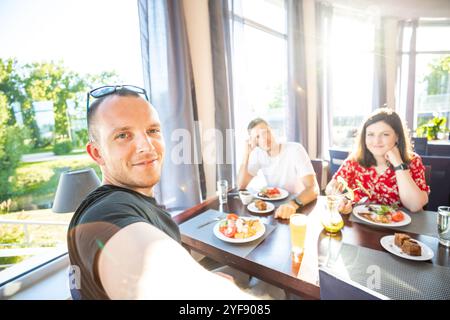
(259, 65)
(432, 70)
(352, 41)
(52, 52)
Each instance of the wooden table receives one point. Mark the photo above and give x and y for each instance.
(271, 261)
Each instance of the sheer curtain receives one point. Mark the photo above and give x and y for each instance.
(324, 14)
(407, 70)
(379, 81)
(168, 77)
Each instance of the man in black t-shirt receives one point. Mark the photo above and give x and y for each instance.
(121, 244)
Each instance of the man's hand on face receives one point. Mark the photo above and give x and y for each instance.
(250, 145)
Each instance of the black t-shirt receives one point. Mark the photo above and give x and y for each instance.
(104, 212)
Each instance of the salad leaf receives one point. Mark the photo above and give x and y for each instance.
(381, 209)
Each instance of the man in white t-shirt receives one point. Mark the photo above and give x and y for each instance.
(284, 165)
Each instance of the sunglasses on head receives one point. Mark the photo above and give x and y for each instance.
(107, 90)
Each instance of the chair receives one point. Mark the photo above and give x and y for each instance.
(318, 165)
(337, 157)
(74, 283)
(428, 174)
(439, 181)
(334, 287)
(420, 145)
(438, 149)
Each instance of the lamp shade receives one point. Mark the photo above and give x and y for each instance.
(73, 187)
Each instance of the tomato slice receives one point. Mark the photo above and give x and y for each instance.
(273, 191)
(397, 216)
(230, 231)
(232, 216)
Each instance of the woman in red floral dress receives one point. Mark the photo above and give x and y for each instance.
(383, 166)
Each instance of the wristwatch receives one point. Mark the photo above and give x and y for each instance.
(402, 166)
(299, 203)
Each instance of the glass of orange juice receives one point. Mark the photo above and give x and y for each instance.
(297, 224)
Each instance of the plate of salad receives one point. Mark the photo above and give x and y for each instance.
(236, 229)
(272, 193)
(382, 215)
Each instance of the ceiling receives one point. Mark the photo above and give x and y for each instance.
(402, 9)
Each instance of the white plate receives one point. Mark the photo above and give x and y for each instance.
(363, 208)
(251, 207)
(283, 195)
(219, 234)
(387, 242)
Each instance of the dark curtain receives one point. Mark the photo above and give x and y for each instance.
(219, 14)
(168, 77)
(297, 112)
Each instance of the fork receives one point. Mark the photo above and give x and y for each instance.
(210, 221)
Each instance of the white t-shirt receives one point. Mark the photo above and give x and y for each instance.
(285, 169)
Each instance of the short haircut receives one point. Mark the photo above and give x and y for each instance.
(122, 92)
(256, 122)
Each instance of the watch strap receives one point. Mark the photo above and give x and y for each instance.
(402, 166)
(299, 203)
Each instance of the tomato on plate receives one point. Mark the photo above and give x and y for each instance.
(232, 216)
(230, 231)
(397, 216)
(273, 191)
(228, 227)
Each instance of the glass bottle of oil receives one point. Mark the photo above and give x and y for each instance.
(331, 218)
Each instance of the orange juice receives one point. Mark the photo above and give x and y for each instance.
(297, 224)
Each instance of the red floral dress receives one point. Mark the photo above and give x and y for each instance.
(382, 188)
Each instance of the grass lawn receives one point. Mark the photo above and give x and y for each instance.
(39, 235)
(43, 149)
(34, 187)
(35, 183)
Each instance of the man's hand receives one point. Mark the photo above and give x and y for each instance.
(286, 210)
(250, 144)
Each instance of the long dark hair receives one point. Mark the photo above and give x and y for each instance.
(390, 117)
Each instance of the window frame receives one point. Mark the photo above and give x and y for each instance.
(402, 91)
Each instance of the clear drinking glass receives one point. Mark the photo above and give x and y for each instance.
(443, 225)
(297, 225)
(222, 191)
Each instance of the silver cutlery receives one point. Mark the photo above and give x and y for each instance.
(210, 221)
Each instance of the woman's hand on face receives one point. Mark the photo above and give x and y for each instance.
(393, 156)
